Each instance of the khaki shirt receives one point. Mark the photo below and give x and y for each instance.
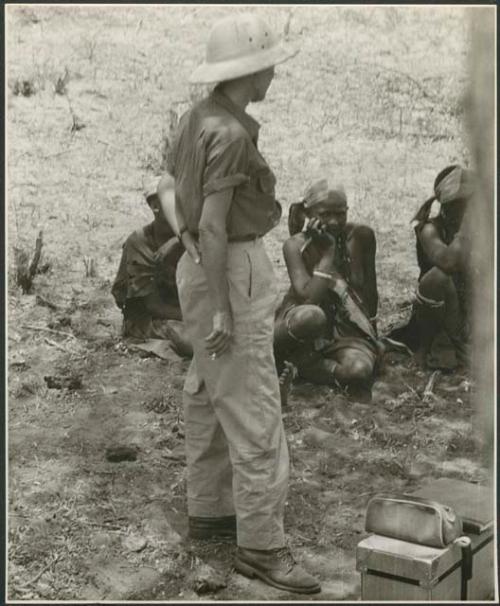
(215, 148)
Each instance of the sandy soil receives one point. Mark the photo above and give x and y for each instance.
(372, 100)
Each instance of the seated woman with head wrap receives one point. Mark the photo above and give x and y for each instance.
(144, 287)
(438, 330)
(326, 324)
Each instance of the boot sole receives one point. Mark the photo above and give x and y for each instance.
(251, 572)
(215, 538)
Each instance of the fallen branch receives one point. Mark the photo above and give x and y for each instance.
(45, 329)
(104, 142)
(60, 153)
(45, 302)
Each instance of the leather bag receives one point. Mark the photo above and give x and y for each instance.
(413, 519)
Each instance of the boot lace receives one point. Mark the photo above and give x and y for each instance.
(285, 555)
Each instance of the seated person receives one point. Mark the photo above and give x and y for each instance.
(438, 330)
(145, 288)
(326, 324)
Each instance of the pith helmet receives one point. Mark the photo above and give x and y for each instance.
(151, 186)
(240, 45)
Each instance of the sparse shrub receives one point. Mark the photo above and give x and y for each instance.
(27, 16)
(77, 124)
(26, 271)
(60, 87)
(90, 267)
(89, 46)
(24, 87)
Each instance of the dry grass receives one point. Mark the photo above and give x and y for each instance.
(372, 100)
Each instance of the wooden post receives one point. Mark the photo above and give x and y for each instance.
(481, 128)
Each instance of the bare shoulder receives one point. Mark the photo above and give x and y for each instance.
(359, 231)
(428, 232)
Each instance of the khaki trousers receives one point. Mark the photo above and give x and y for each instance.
(236, 451)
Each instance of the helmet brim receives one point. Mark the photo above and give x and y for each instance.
(209, 73)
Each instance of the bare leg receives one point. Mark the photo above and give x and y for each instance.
(437, 308)
(294, 335)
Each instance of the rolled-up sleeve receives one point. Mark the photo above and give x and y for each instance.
(227, 166)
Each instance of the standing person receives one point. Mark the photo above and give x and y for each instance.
(237, 457)
(439, 328)
(326, 324)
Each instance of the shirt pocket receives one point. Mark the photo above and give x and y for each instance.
(265, 181)
(262, 279)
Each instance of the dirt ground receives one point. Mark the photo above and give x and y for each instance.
(372, 100)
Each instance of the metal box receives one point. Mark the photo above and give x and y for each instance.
(394, 570)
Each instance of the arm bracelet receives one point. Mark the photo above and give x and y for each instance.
(323, 274)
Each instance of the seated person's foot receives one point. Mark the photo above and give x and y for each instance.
(286, 379)
(215, 529)
(277, 568)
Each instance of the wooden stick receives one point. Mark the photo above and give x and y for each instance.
(61, 152)
(429, 388)
(45, 329)
(43, 301)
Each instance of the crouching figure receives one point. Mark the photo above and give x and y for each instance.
(145, 288)
(439, 329)
(326, 324)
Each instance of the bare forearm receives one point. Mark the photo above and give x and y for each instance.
(317, 286)
(452, 258)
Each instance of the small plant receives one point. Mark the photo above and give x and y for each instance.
(60, 87)
(89, 45)
(90, 267)
(24, 87)
(26, 270)
(77, 124)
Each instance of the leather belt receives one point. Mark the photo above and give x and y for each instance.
(247, 238)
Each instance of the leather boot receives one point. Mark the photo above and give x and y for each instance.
(277, 568)
(220, 529)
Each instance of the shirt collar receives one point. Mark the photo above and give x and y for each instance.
(249, 123)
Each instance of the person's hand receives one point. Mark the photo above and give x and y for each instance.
(171, 248)
(319, 232)
(219, 340)
(296, 218)
(191, 246)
